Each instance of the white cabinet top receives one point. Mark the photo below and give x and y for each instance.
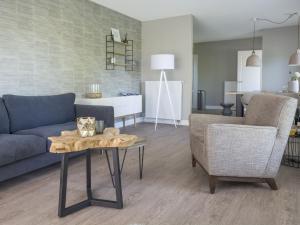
(123, 105)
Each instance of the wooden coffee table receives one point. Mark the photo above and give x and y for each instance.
(71, 142)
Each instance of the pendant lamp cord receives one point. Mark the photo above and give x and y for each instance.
(280, 22)
(298, 32)
(253, 40)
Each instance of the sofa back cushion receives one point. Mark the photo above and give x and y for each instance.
(4, 120)
(26, 112)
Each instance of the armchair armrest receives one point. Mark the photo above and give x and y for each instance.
(105, 113)
(200, 121)
(239, 150)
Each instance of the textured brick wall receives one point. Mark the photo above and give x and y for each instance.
(56, 46)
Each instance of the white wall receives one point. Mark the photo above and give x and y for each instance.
(278, 46)
(218, 63)
(172, 35)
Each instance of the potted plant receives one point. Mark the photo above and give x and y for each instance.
(293, 85)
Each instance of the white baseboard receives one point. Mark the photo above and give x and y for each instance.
(129, 122)
(164, 121)
(213, 107)
(218, 107)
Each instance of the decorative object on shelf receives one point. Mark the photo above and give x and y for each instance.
(253, 60)
(93, 91)
(125, 41)
(119, 54)
(86, 126)
(127, 94)
(293, 84)
(163, 62)
(99, 126)
(295, 57)
(115, 34)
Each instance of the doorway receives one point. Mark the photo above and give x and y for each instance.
(248, 78)
(195, 83)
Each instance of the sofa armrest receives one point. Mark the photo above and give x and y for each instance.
(238, 150)
(105, 113)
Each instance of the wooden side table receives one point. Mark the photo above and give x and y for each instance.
(291, 155)
(65, 145)
(140, 145)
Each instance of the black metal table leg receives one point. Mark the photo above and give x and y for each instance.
(63, 210)
(141, 161)
(63, 185)
(88, 175)
(109, 166)
(117, 176)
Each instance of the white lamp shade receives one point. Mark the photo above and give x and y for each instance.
(295, 59)
(162, 62)
(253, 60)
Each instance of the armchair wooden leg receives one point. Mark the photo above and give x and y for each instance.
(212, 180)
(194, 162)
(272, 183)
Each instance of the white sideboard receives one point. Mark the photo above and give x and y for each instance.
(123, 105)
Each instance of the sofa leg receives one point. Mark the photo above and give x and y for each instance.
(194, 162)
(272, 183)
(212, 180)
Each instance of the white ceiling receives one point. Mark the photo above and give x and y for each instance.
(214, 19)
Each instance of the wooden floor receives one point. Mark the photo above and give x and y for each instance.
(171, 192)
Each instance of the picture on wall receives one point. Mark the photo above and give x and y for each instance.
(116, 34)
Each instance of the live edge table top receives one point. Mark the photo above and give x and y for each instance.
(70, 141)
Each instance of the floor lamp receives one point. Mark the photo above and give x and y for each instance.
(163, 62)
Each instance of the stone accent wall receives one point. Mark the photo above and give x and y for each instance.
(56, 46)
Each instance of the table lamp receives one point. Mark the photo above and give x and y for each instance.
(163, 62)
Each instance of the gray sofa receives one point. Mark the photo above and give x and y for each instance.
(26, 122)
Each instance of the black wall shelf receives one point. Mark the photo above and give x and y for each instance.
(114, 51)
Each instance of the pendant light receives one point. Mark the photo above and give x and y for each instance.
(253, 60)
(295, 58)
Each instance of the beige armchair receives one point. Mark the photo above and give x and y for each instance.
(246, 148)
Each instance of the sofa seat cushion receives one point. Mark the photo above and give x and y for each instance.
(15, 147)
(48, 131)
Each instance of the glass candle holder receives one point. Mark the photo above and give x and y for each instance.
(93, 91)
(99, 126)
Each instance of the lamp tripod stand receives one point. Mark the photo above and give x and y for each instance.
(163, 78)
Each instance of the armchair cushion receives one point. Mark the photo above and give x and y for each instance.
(200, 121)
(239, 150)
(265, 110)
